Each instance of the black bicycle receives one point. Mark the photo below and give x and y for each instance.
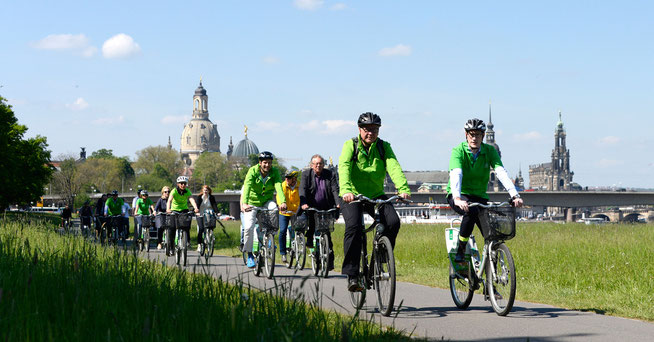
(324, 223)
(142, 232)
(180, 222)
(380, 273)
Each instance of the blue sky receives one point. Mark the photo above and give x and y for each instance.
(121, 75)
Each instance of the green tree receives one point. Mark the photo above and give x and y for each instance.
(67, 181)
(213, 169)
(103, 153)
(26, 167)
(103, 174)
(148, 158)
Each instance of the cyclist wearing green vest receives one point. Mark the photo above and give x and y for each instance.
(362, 168)
(470, 166)
(143, 206)
(178, 202)
(261, 182)
(114, 205)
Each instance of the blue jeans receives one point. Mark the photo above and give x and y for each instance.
(283, 225)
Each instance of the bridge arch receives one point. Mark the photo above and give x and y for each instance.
(602, 216)
(631, 218)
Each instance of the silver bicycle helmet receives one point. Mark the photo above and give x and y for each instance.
(475, 125)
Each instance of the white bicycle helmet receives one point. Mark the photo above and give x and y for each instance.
(182, 179)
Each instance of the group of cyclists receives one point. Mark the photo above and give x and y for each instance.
(363, 164)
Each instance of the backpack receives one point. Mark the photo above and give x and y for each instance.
(380, 149)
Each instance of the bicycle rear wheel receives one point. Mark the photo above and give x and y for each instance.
(300, 251)
(269, 256)
(501, 283)
(384, 275)
(461, 287)
(358, 298)
(315, 259)
(184, 243)
(324, 255)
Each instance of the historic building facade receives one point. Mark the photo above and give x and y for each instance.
(555, 175)
(199, 134)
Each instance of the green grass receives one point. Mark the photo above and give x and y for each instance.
(607, 269)
(55, 287)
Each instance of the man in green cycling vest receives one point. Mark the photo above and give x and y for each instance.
(470, 165)
(178, 202)
(114, 207)
(261, 182)
(362, 170)
(142, 206)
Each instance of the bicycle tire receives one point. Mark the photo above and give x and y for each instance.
(184, 242)
(461, 287)
(324, 255)
(357, 299)
(384, 275)
(212, 242)
(258, 259)
(501, 285)
(269, 243)
(300, 251)
(178, 252)
(315, 259)
(167, 242)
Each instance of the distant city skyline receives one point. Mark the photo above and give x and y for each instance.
(121, 76)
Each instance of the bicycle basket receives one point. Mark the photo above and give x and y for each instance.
(299, 224)
(498, 223)
(324, 222)
(146, 221)
(209, 220)
(268, 220)
(184, 220)
(169, 221)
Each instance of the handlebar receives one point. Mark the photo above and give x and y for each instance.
(321, 211)
(490, 204)
(362, 198)
(255, 209)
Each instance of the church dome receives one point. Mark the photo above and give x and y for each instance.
(245, 147)
(200, 135)
(200, 91)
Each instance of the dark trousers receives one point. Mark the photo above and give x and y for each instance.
(470, 218)
(353, 216)
(311, 233)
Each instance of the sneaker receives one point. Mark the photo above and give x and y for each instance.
(498, 296)
(284, 258)
(250, 263)
(199, 248)
(353, 284)
(159, 246)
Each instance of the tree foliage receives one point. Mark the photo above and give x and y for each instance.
(67, 181)
(102, 174)
(25, 162)
(157, 166)
(103, 153)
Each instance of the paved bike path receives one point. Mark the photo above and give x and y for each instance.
(429, 312)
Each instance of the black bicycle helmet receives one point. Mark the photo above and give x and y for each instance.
(266, 155)
(475, 125)
(115, 192)
(369, 118)
(144, 193)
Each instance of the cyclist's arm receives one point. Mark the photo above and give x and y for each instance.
(503, 176)
(106, 209)
(195, 206)
(456, 178)
(170, 201)
(395, 171)
(249, 178)
(281, 198)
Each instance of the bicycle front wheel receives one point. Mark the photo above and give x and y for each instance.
(384, 275)
(300, 251)
(461, 287)
(184, 242)
(501, 282)
(324, 255)
(269, 243)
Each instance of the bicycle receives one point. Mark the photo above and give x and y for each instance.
(496, 269)
(178, 221)
(299, 244)
(380, 273)
(268, 220)
(142, 232)
(290, 237)
(110, 227)
(85, 226)
(208, 238)
(324, 223)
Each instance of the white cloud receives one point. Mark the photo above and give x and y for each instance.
(79, 104)
(308, 5)
(609, 140)
(397, 50)
(328, 126)
(339, 6)
(529, 136)
(109, 121)
(271, 60)
(120, 46)
(604, 163)
(77, 43)
(171, 119)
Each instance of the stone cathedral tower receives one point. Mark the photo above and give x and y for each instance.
(556, 175)
(200, 134)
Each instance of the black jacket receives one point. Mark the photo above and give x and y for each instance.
(212, 200)
(308, 188)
